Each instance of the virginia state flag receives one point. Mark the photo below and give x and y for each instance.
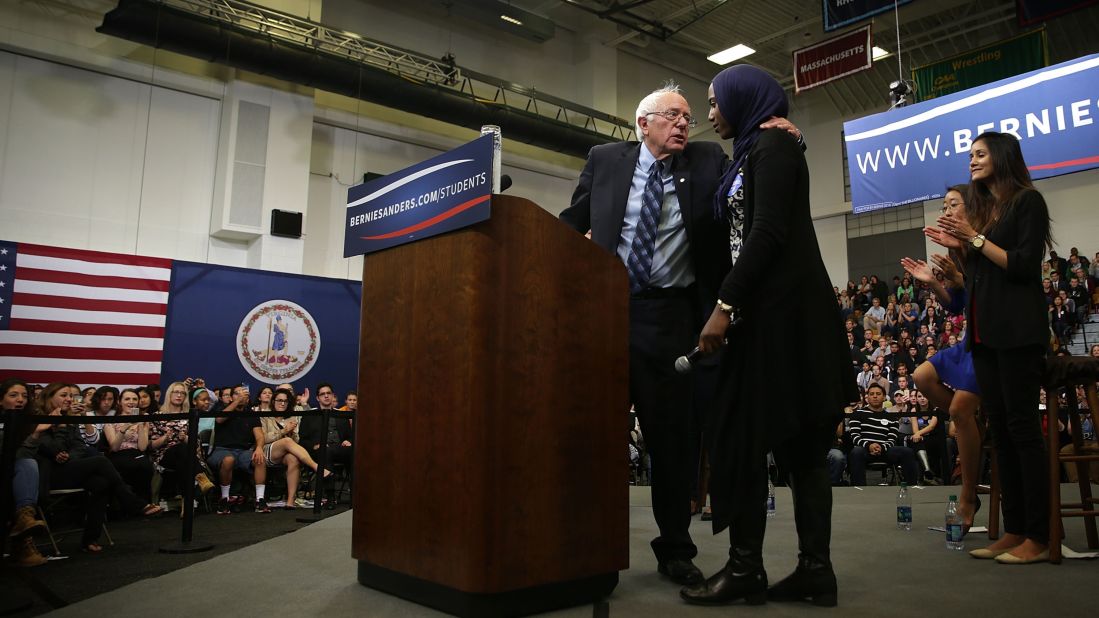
(237, 325)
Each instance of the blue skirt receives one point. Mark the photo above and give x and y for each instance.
(955, 368)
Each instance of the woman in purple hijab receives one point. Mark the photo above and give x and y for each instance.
(777, 277)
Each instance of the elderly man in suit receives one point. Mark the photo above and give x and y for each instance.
(651, 203)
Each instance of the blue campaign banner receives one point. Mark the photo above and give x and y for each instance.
(913, 153)
(239, 325)
(839, 13)
(444, 193)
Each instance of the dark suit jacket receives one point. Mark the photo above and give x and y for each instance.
(1007, 306)
(599, 204)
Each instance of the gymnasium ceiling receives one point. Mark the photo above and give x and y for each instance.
(686, 31)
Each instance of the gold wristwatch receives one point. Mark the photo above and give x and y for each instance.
(977, 241)
(726, 307)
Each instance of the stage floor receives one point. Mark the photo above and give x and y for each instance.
(880, 570)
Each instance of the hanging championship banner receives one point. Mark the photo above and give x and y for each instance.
(981, 66)
(913, 153)
(839, 13)
(832, 59)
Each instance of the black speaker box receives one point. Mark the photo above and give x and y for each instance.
(285, 223)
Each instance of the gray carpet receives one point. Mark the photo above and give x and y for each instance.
(880, 570)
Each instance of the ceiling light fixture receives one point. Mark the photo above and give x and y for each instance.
(735, 52)
(511, 20)
(879, 53)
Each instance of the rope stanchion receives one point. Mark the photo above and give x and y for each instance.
(187, 545)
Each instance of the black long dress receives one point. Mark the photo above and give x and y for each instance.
(789, 316)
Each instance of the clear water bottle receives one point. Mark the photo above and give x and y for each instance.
(954, 539)
(770, 499)
(904, 508)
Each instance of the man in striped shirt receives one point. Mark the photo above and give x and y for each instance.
(874, 434)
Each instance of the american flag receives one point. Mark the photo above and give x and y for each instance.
(85, 317)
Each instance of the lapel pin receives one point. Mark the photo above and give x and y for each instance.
(682, 180)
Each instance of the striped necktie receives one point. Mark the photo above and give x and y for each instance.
(640, 261)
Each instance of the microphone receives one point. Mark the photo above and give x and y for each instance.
(505, 183)
(684, 364)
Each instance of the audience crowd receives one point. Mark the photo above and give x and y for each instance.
(124, 468)
(132, 469)
(891, 330)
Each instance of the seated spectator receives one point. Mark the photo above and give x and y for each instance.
(874, 318)
(865, 376)
(25, 478)
(262, 403)
(168, 445)
(1060, 320)
(944, 337)
(146, 402)
(337, 435)
(238, 444)
(874, 436)
(225, 397)
(837, 458)
(1087, 426)
(350, 402)
(74, 464)
(104, 402)
(280, 436)
(126, 446)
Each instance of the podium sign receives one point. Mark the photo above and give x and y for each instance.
(444, 193)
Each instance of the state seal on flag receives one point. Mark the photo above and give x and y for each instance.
(278, 341)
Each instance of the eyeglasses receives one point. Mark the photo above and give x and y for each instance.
(673, 116)
(282, 401)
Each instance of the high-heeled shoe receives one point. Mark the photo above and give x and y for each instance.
(966, 527)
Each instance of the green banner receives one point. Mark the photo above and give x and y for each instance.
(1014, 56)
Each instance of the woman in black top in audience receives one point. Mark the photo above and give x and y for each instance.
(1007, 227)
(74, 464)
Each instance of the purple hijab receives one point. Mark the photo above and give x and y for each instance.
(747, 97)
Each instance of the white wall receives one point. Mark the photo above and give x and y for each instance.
(99, 162)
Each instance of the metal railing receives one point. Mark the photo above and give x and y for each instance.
(442, 72)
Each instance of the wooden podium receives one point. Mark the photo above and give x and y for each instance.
(491, 474)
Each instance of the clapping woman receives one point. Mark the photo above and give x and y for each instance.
(1006, 229)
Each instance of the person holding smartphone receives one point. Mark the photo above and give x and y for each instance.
(127, 443)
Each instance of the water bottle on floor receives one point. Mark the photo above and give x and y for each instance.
(770, 499)
(904, 508)
(954, 538)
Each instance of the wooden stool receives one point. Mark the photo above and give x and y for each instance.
(1068, 372)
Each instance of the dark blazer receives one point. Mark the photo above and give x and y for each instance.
(1007, 305)
(782, 290)
(312, 430)
(599, 204)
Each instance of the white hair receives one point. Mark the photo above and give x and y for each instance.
(647, 105)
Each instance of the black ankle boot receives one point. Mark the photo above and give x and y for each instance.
(736, 580)
(812, 582)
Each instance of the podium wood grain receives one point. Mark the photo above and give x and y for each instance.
(491, 433)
